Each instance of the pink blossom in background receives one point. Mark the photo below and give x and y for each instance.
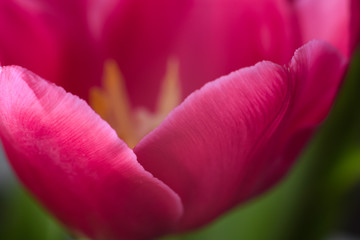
(226, 141)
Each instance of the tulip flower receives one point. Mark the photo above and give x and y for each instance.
(173, 153)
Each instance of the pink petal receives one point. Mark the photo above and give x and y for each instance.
(52, 39)
(317, 70)
(202, 149)
(329, 20)
(222, 36)
(228, 141)
(355, 24)
(20, 21)
(74, 163)
(140, 36)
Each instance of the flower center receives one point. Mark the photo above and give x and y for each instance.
(111, 102)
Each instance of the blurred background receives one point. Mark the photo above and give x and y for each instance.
(319, 199)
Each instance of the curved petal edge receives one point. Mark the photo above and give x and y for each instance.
(75, 164)
(240, 134)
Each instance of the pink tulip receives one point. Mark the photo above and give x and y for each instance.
(224, 144)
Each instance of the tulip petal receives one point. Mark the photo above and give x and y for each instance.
(53, 40)
(21, 21)
(329, 20)
(140, 35)
(317, 71)
(202, 149)
(227, 142)
(316, 68)
(75, 164)
(355, 24)
(222, 36)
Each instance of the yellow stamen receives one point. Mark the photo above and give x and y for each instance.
(170, 94)
(112, 104)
